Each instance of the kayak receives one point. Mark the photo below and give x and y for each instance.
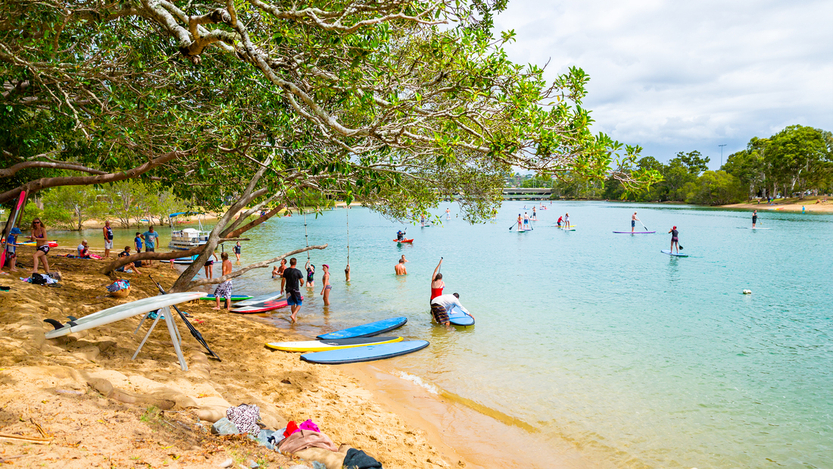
(404, 241)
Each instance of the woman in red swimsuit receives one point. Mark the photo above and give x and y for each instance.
(437, 283)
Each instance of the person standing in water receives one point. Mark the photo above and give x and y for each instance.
(441, 305)
(108, 239)
(534, 214)
(347, 273)
(237, 250)
(520, 222)
(294, 281)
(754, 218)
(675, 239)
(633, 221)
(310, 272)
(326, 287)
(400, 267)
(223, 290)
(279, 273)
(209, 266)
(42, 249)
(437, 283)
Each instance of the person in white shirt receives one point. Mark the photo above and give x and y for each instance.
(442, 304)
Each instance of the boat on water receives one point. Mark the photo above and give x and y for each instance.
(187, 238)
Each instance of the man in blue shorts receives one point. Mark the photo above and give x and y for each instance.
(294, 282)
(150, 240)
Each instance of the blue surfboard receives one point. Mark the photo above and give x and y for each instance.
(457, 317)
(366, 330)
(675, 254)
(365, 354)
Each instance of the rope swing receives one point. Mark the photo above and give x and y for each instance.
(306, 235)
(348, 233)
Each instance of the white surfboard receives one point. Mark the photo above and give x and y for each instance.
(259, 299)
(126, 310)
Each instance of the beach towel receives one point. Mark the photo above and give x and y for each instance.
(303, 439)
(245, 417)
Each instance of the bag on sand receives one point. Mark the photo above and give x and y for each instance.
(37, 279)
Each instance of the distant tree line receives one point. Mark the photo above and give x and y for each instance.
(792, 163)
(124, 203)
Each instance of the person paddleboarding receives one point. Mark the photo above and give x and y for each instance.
(558, 223)
(520, 222)
(634, 218)
(675, 239)
(526, 221)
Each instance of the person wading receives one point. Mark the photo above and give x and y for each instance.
(294, 281)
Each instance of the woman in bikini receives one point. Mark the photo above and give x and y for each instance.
(437, 283)
(39, 237)
(325, 290)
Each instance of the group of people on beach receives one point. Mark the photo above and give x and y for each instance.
(292, 279)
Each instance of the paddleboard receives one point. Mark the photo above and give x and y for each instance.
(260, 299)
(122, 311)
(52, 244)
(675, 254)
(185, 260)
(364, 354)
(233, 297)
(635, 232)
(404, 241)
(757, 228)
(261, 307)
(324, 345)
(458, 318)
(568, 229)
(366, 330)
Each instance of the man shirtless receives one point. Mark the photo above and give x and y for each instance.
(400, 268)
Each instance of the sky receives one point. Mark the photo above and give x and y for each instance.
(683, 76)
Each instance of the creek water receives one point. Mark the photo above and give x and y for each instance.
(635, 358)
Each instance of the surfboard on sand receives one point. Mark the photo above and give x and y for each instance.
(635, 232)
(365, 354)
(233, 297)
(261, 307)
(122, 311)
(675, 254)
(366, 330)
(458, 318)
(260, 298)
(325, 345)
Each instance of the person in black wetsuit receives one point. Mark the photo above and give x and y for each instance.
(400, 235)
(754, 218)
(674, 239)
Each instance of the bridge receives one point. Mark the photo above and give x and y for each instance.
(525, 193)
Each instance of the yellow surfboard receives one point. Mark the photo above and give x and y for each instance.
(335, 344)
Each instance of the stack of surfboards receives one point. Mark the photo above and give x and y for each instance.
(260, 304)
(355, 344)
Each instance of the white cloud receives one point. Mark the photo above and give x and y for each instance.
(683, 76)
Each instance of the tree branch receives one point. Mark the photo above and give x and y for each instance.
(256, 265)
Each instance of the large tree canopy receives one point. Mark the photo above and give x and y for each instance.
(395, 103)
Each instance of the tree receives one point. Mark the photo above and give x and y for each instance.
(397, 104)
(798, 155)
(714, 188)
(72, 206)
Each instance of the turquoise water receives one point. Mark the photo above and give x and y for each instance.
(636, 358)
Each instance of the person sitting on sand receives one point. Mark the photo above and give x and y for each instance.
(441, 305)
(42, 249)
(135, 265)
(83, 250)
(437, 283)
(326, 287)
(223, 290)
(400, 268)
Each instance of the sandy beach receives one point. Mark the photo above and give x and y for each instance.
(80, 399)
(808, 205)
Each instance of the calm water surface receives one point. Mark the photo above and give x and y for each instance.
(636, 358)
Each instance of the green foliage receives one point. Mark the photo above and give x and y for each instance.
(714, 188)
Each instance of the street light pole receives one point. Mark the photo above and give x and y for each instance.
(721, 153)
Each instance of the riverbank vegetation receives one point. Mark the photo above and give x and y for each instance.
(794, 163)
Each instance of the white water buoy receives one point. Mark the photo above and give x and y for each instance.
(747, 292)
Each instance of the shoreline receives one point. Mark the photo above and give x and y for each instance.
(70, 376)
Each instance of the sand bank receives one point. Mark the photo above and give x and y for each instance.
(97, 408)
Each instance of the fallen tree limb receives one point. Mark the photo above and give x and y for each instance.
(256, 265)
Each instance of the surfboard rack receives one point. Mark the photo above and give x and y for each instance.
(176, 338)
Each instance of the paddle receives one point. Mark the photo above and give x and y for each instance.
(513, 225)
(643, 225)
(194, 331)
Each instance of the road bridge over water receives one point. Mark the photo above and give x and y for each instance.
(526, 193)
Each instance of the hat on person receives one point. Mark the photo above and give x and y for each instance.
(674, 228)
(15, 231)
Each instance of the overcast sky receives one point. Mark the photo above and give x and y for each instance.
(682, 76)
